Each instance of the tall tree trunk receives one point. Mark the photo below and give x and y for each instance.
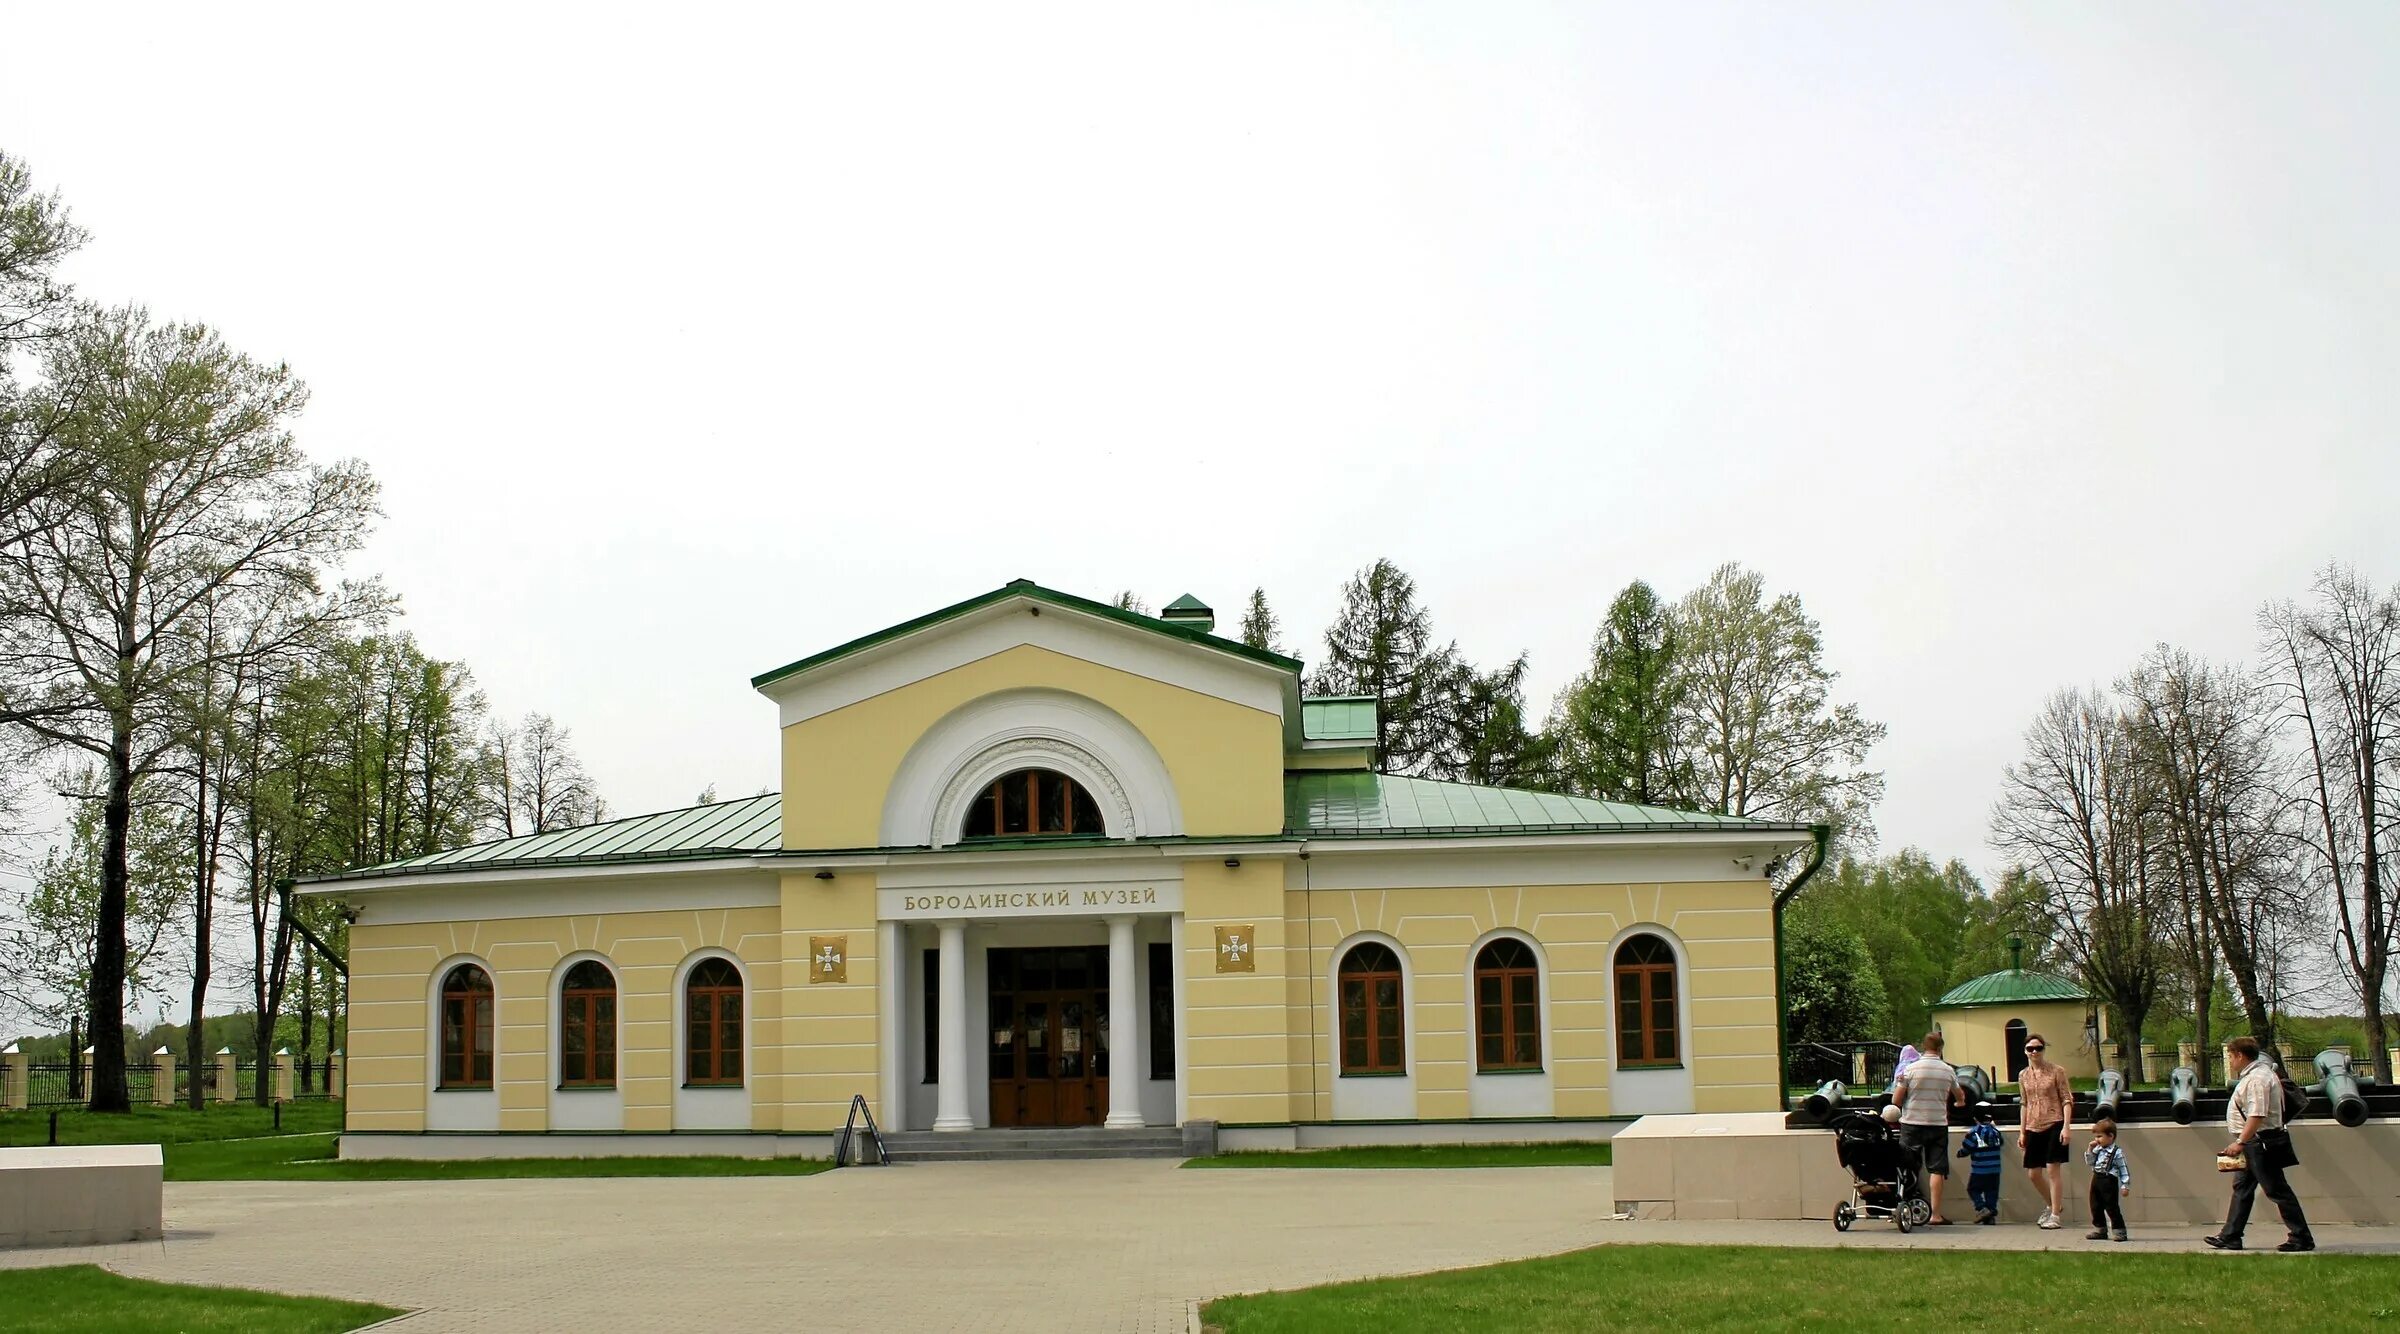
(195, 1044)
(107, 996)
(308, 1010)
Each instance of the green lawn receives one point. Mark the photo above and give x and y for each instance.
(86, 1299)
(1423, 1155)
(165, 1125)
(310, 1158)
(240, 1144)
(1687, 1288)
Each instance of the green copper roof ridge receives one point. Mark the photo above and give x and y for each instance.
(2012, 986)
(1028, 588)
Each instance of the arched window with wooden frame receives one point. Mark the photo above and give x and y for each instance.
(712, 1024)
(1034, 803)
(1508, 1007)
(1372, 1029)
(467, 1028)
(587, 1027)
(1646, 1019)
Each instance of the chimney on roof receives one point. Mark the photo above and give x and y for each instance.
(1189, 612)
(2016, 954)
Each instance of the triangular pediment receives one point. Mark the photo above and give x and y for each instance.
(1023, 613)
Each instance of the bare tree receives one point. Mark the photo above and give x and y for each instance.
(2336, 668)
(2204, 733)
(537, 783)
(2075, 815)
(187, 488)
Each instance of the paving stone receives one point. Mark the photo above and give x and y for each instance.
(1045, 1247)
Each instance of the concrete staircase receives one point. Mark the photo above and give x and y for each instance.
(1020, 1144)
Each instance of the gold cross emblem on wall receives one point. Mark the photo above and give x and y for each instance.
(1236, 946)
(828, 958)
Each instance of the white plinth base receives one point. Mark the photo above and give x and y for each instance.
(88, 1195)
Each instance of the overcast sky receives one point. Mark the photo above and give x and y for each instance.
(686, 342)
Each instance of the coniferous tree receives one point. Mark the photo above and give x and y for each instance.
(1480, 733)
(1381, 645)
(1259, 626)
(1615, 725)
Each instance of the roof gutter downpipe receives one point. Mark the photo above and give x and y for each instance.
(1823, 835)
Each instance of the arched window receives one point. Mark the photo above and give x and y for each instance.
(1646, 1003)
(2015, 1033)
(587, 1027)
(712, 1024)
(1370, 1003)
(467, 1028)
(1508, 1007)
(1033, 803)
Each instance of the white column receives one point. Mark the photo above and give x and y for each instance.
(1124, 1030)
(950, 1094)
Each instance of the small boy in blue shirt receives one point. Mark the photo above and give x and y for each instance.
(1982, 1152)
(2112, 1180)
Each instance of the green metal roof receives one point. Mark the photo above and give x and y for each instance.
(720, 829)
(1338, 718)
(1029, 589)
(2011, 986)
(1315, 804)
(1187, 603)
(1323, 804)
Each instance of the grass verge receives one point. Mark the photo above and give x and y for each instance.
(86, 1299)
(1729, 1288)
(166, 1125)
(310, 1158)
(1422, 1155)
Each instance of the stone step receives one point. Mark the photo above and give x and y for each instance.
(1012, 1143)
(903, 1157)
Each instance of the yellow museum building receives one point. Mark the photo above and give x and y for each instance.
(1041, 862)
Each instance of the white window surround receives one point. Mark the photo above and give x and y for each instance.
(458, 1109)
(1516, 1093)
(1373, 1097)
(712, 1107)
(1643, 1091)
(584, 1108)
(978, 742)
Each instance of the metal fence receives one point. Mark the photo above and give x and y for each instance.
(57, 1084)
(1813, 1063)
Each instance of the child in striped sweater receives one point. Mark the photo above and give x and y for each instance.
(1982, 1152)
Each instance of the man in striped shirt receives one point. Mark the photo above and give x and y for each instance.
(1927, 1091)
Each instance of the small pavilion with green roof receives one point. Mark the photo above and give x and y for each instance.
(1986, 1020)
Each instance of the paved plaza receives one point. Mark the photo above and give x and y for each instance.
(1039, 1246)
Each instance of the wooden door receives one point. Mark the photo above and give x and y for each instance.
(1048, 1058)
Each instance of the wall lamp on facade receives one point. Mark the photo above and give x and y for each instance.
(824, 875)
(1232, 862)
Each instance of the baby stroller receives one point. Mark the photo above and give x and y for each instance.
(1883, 1176)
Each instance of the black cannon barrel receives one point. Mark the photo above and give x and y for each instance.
(2340, 1084)
(1977, 1082)
(1827, 1100)
(2183, 1088)
(2112, 1092)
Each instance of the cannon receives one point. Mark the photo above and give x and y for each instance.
(2183, 1088)
(2339, 1085)
(1976, 1082)
(1827, 1100)
(2112, 1092)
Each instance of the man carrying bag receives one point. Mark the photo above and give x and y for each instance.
(2254, 1115)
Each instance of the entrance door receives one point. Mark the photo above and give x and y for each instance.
(1049, 1038)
